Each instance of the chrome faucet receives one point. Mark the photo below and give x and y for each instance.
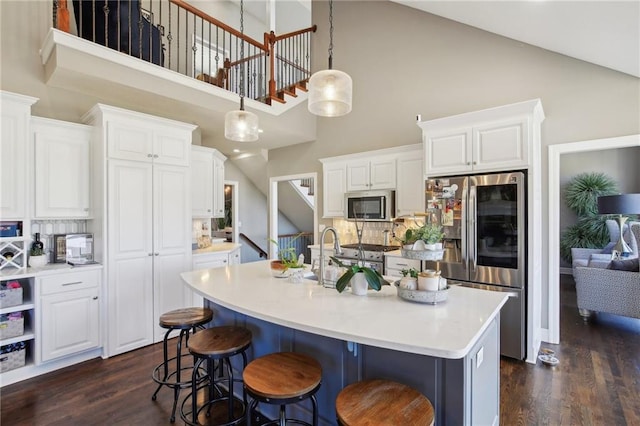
(336, 247)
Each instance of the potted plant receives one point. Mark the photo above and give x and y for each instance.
(411, 235)
(409, 279)
(37, 257)
(287, 259)
(431, 234)
(360, 277)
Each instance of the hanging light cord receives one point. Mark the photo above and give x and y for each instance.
(330, 34)
(242, 56)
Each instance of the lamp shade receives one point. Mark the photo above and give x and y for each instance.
(241, 126)
(619, 204)
(330, 93)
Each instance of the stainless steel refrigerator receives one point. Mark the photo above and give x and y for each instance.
(484, 219)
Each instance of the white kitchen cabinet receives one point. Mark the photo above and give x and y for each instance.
(410, 188)
(234, 257)
(496, 139)
(370, 174)
(207, 182)
(61, 175)
(218, 184)
(201, 182)
(210, 260)
(145, 239)
(70, 317)
(14, 127)
(393, 265)
(334, 185)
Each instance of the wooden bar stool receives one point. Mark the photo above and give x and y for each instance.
(383, 402)
(183, 320)
(210, 345)
(282, 378)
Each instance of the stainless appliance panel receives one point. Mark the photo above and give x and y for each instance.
(370, 205)
(512, 319)
(447, 201)
(497, 218)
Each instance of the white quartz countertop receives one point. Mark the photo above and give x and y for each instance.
(381, 319)
(48, 269)
(216, 248)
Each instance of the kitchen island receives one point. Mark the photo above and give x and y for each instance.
(449, 352)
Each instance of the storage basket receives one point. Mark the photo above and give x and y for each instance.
(11, 325)
(12, 356)
(10, 297)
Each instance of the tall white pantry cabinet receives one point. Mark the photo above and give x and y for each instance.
(143, 219)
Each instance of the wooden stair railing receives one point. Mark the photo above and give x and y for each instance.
(285, 64)
(253, 245)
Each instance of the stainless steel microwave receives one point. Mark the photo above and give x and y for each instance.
(370, 205)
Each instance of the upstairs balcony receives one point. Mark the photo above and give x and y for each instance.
(169, 58)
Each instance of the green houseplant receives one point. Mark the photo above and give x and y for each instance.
(287, 258)
(373, 277)
(431, 233)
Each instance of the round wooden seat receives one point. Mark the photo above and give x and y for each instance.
(210, 345)
(218, 342)
(383, 402)
(169, 372)
(282, 378)
(185, 318)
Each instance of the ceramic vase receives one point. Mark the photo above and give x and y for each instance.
(359, 284)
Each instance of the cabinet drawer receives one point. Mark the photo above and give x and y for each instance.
(402, 263)
(68, 282)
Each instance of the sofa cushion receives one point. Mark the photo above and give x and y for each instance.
(631, 265)
(608, 249)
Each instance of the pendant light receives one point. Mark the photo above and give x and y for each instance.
(330, 90)
(241, 125)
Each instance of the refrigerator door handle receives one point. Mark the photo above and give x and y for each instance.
(465, 217)
(471, 241)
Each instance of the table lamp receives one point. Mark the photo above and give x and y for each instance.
(620, 204)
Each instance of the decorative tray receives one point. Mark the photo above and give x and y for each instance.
(422, 296)
(422, 254)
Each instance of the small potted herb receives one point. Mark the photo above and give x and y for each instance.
(409, 279)
(287, 259)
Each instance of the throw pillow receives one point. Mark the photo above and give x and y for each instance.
(631, 265)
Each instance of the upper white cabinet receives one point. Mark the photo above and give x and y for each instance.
(410, 188)
(495, 139)
(398, 169)
(218, 184)
(370, 174)
(15, 111)
(144, 235)
(207, 182)
(61, 175)
(334, 185)
(141, 140)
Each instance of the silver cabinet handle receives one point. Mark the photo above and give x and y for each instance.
(149, 155)
(73, 283)
(95, 297)
(155, 155)
(86, 209)
(157, 254)
(468, 163)
(150, 254)
(209, 210)
(475, 162)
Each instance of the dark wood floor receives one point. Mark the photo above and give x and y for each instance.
(596, 383)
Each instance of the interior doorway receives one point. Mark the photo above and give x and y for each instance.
(228, 226)
(274, 206)
(554, 201)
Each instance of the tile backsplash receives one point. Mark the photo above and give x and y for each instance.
(372, 232)
(48, 228)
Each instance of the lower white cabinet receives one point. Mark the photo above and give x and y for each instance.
(70, 313)
(214, 260)
(393, 265)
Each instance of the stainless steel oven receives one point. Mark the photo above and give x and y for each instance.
(372, 255)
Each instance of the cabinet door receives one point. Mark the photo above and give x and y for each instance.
(218, 187)
(333, 189)
(14, 129)
(208, 261)
(447, 152)
(234, 257)
(382, 173)
(172, 240)
(129, 140)
(171, 146)
(358, 176)
(201, 184)
(61, 169)
(130, 260)
(501, 146)
(410, 185)
(70, 323)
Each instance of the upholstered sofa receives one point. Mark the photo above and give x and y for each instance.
(600, 288)
(600, 258)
